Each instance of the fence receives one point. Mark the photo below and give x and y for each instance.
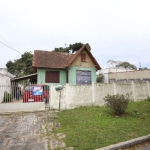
(16, 97)
(72, 96)
(75, 96)
(23, 93)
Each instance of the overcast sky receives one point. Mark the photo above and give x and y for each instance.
(115, 29)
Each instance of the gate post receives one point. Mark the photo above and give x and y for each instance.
(67, 95)
(93, 93)
(148, 88)
(51, 96)
(115, 91)
(133, 89)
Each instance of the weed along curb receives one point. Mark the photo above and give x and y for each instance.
(127, 144)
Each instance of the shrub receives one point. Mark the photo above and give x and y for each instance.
(118, 103)
(100, 78)
(7, 97)
(148, 98)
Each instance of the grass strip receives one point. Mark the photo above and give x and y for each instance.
(94, 127)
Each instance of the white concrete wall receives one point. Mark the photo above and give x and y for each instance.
(16, 107)
(76, 96)
(73, 96)
(6, 73)
(5, 84)
(108, 70)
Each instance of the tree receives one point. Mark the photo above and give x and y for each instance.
(61, 49)
(72, 47)
(22, 66)
(100, 78)
(126, 65)
(112, 63)
(75, 47)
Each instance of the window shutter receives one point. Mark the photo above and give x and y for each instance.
(52, 77)
(83, 57)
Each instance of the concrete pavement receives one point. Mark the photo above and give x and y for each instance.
(144, 147)
(30, 131)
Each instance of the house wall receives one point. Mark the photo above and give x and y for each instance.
(76, 65)
(73, 96)
(89, 63)
(42, 72)
(72, 74)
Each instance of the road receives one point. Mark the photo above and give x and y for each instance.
(144, 147)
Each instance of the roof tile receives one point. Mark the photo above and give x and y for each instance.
(48, 59)
(58, 60)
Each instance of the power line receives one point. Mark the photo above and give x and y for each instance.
(6, 41)
(10, 47)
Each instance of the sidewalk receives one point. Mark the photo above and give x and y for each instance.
(29, 131)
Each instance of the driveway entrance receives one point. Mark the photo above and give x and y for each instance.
(30, 131)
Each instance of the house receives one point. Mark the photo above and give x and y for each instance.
(120, 75)
(62, 68)
(107, 71)
(129, 76)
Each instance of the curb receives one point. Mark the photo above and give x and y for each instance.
(127, 144)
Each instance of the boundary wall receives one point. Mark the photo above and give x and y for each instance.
(73, 96)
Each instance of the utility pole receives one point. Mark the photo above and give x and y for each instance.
(139, 65)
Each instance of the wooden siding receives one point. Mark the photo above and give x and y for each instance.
(88, 63)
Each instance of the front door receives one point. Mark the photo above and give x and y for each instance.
(83, 77)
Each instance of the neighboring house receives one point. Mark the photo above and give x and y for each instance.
(124, 76)
(129, 76)
(108, 71)
(5, 84)
(62, 68)
(5, 76)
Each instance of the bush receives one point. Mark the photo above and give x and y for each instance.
(148, 98)
(7, 97)
(118, 103)
(100, 78)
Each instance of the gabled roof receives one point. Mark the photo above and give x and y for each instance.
(48, 59)
(84, 47)
(58, 60)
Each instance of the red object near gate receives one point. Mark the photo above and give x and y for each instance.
(36, 93)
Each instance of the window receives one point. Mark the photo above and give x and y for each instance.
(83, 57)
(52, 77)
(83, 77)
